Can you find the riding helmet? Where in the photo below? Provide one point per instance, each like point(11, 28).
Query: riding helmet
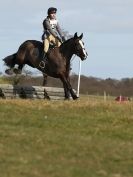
point(52, 10)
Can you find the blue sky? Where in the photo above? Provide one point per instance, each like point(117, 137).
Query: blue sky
point(107, 27)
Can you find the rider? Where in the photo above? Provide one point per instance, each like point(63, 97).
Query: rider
point(52, 31)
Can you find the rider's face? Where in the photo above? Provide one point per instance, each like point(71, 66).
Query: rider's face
point(52, 15)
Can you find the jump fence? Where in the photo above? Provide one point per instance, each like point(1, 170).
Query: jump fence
point(31, 92)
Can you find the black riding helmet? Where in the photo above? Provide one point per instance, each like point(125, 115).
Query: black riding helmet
point(52, 10)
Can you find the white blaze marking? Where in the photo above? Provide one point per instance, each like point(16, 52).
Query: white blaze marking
point(82, 45)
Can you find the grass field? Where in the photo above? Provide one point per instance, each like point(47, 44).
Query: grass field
point(66, 139)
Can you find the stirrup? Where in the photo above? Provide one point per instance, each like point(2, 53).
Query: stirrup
point(42, 64)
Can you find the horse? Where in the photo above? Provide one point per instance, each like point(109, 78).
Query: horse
point(57, 64)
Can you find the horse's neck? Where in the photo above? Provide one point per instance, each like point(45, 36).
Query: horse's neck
point(67, 50)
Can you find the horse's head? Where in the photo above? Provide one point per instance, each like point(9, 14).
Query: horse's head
point(79, 48)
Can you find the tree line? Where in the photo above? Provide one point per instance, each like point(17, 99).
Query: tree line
point(88, 85)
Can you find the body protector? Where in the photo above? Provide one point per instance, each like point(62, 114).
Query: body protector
point(51, 27)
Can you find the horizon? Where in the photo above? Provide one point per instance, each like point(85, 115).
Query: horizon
point(38, 74)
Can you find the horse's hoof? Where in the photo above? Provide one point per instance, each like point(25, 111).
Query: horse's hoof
point(75, 97)
point(9, 71)
point(67, 99)
point(17, 71)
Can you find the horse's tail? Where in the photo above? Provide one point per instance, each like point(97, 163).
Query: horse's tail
point(10, 60)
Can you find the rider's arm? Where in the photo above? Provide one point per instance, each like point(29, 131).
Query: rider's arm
point(60, 32)
point(48, 27)
point(58, 28)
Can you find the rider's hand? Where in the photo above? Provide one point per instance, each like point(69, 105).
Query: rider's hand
point(63, 39)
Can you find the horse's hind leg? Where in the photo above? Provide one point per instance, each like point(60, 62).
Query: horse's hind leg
point(18, 70)
point(10, 70)
point(10, 62)
point(67, 92)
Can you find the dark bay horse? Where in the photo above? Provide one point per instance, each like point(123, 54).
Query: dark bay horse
point(58, 60)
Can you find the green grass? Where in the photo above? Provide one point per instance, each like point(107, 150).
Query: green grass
point(66, 139)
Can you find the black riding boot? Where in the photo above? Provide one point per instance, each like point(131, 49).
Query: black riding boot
point(44, 56)
point(43, 61)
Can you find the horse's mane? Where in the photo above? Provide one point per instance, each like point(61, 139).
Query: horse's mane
point(62, 45)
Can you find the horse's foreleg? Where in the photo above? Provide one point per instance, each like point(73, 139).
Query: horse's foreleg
point(67, 86)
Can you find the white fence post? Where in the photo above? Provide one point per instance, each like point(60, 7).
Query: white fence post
point(79, 78)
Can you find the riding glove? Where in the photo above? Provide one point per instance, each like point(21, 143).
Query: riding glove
point(63, 39)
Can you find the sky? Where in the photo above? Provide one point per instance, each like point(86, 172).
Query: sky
point(107, 26)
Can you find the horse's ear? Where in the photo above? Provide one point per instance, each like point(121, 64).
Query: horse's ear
point(75, 35)
point(81, 36)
